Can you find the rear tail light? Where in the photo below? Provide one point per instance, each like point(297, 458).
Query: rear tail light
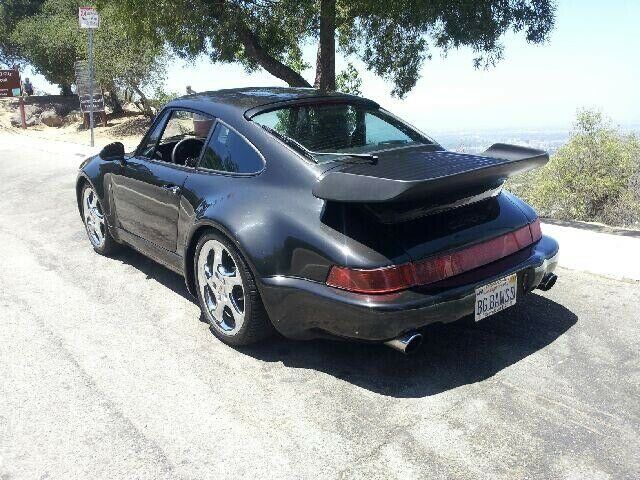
point(536, 231)
point(378, 280)
point(434, 269)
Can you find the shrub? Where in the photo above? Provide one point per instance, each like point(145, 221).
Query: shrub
point(594, 177)
point(161, 98)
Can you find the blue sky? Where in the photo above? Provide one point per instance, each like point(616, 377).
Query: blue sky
point(591, 60)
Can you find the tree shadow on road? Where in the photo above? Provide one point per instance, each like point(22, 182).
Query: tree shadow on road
point(451, 355)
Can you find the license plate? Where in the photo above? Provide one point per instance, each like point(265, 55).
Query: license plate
point(496, 296)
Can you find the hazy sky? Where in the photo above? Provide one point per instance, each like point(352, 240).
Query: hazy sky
point(591, 60)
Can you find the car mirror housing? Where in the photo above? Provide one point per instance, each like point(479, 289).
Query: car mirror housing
point(113, 151)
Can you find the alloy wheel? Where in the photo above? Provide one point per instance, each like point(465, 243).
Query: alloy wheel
point(93, 218)
point(221, 288)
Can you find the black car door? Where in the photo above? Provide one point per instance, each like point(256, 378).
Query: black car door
point(147, 192)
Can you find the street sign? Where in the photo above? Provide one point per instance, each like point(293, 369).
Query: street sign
point(85, 103)
point(89, 17)
point(84, 86)
point(9, 83)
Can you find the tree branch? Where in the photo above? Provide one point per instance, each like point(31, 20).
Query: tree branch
point(271, 64)
point(146, 106)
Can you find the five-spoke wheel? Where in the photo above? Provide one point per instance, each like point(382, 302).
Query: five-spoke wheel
point(95, 222)
point(227, 293)
point(93, 218)
point(221, 287)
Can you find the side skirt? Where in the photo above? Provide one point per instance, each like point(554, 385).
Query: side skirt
point(170, 260)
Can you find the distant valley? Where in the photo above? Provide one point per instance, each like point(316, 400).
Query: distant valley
point(475, 142)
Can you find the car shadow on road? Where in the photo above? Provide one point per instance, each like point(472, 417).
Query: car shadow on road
point(451, 355)
point(154, 271)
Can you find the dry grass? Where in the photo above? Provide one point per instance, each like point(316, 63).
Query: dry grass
point(128, 128)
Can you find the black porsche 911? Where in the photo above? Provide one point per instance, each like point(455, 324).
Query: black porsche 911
point(318, 215)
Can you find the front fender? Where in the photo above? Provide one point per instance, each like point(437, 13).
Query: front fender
point(81, 180)
point(95, 171)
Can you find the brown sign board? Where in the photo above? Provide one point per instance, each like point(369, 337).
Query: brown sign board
point(9, 83)
point(98, 103)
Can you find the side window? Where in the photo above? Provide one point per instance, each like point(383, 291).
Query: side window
point(229, 152)
point(183, 138)
point(150, 142)
point(180, 139)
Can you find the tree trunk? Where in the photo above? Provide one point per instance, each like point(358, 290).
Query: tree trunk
point(116, 104)
point(326, 59)
point(65, 89)
point(146, 106)
point(270, 64)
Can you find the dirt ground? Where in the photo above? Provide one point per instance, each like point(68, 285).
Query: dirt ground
point(127, 129)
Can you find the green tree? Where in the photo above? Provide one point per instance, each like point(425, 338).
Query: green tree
point(11, 12)
point(393, 39)
point(594, 177)
point(50, 40)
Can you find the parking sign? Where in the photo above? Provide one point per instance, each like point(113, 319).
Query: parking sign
point(88, 17)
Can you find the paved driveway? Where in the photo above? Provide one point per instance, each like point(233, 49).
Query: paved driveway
point(106, 371)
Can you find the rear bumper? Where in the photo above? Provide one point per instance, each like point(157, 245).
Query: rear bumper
point(304, 309)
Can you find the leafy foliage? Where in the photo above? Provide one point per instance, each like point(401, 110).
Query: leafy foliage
point(11, 11)
point(49, 40)
point(594, 177)
point(349, 81)
point(393, 39)
point(161, 97)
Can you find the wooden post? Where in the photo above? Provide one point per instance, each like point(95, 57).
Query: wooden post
point(23, 115)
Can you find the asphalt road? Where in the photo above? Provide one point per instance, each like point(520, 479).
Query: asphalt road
point(106, 371)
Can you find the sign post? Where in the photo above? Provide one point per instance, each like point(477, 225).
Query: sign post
point(89, 19)
point(23, 115)
point(10, 86)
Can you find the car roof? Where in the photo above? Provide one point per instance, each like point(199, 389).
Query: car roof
point(249, 101)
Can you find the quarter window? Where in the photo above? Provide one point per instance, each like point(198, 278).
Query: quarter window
point(227, 151)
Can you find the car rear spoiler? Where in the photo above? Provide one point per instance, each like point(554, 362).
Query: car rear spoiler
point(435, 177)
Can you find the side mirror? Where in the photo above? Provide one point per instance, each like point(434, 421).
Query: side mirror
point(113, 151)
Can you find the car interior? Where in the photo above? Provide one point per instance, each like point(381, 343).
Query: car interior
point(183, 138)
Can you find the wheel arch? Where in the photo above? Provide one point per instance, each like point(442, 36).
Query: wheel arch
point(196, 233)
point(81, 181)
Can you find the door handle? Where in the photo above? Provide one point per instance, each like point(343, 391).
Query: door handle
point(174, 189)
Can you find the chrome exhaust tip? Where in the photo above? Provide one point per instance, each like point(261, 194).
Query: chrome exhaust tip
point(548, 281)
point(408, 343)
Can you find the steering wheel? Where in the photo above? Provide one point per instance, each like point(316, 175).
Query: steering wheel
point(186, 150)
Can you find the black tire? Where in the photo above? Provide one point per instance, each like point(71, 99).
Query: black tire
point(108, 246)
point(256, 324)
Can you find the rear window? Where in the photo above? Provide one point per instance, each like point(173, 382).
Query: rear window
point(341, 128)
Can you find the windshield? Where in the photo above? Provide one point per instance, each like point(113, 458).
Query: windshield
point(341, 128)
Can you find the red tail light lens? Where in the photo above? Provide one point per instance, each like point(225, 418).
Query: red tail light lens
point(536, 231)
point(434, 269)
point(379, 280)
